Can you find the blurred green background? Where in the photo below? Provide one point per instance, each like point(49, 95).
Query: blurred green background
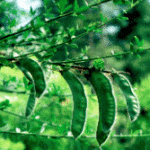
point(53, 113)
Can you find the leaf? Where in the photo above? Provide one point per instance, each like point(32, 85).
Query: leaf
point(4, 62)
point(39, 22)
point(62, 5)
point(4, 104)
point(102, 18)
point(36, 72)
point(98, 64)
point(13, 23)
point(31, 102)
point(32, 12)
point(76, 6)
point(132, 101)
point(131, 47)
point(123, 18)
point(137, 41)
point(67, 8)
point(75, 46)
point(82, 16)
point(2, 121)
point(82, 9)
point(80, 103)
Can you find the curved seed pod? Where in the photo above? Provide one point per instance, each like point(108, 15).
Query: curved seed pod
point(107, 104)
point(31, 102)
point(26, 73)
point(132, 101)
point(101, 136)
point(80, 102)
point(37, 74)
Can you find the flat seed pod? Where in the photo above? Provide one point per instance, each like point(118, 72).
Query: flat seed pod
point(107, 104)
point(37, 74)
point(26, 73)
point(133, 105)
point(101, 136)
point(31, 102)
point(80, 103)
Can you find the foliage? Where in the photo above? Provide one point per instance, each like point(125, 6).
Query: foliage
point(47, 44)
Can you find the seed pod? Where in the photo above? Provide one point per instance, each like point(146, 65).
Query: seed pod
point(107, 104)
point(26, 73)
point(80, 102)
point(37, 74)
point(31, 102)
point(133, 105)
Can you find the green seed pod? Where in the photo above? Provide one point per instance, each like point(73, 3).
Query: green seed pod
point(80, 103)
point(36, 72)
point(107, 104)
point(31, 102)
point(101, 136)
point(132, 101)
point(26, 73)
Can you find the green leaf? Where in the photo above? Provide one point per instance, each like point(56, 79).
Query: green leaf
point(62, 5)
point(98, 64)
point(32, 12)
point(4, 104)
point(102, 18)
point(131, 47)
point(137, 41)
point(123, 18)
point(13, 23)
point(2, 121)
point(82, 9)
point(76, 6)
point(4, 62)
point(75, 46)
point(39, 22)
point(32, 23)
point(25, 34)
point(67, 8)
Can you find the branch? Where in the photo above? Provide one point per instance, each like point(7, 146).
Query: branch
point(74, 38)
point(86, 60)
point(11, 91)
point(49, 21)
point(81, 68)
point(65, 136)
point(94, 58)
point(33, 119)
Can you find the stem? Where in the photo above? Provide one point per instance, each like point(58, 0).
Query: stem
point(63, 136)
point(11, 91)
point(42, 122)
point(70, 40)
point(85, 60)
point(49, 21)
point(81, 68)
